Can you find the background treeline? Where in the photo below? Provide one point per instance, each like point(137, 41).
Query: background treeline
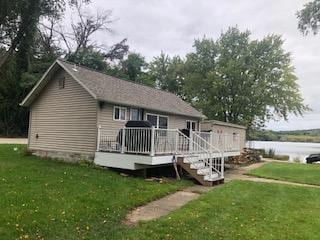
point(232, 78)
point(312, 135)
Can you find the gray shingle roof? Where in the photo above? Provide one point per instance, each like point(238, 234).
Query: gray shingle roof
point(114, 90)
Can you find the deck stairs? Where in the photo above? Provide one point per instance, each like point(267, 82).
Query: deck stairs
point(203, 162)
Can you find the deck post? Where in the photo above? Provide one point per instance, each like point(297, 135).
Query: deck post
point(191, 140)
point(211, 138)
point(98, 138)
point(123, 139)
point(152, 141)
point(177, 141)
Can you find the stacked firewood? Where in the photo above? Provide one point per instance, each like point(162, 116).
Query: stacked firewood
point(247, 156)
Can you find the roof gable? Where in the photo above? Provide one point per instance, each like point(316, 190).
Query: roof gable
point(106, 88)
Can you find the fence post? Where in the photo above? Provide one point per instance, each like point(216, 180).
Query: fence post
point(152, 141)
point(123, 139)
point(98, 138)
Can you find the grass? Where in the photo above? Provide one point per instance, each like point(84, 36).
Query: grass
point(48, 200)
point(292, 172)
point(43, 199)
point(241, 210)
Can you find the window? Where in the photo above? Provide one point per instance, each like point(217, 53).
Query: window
point(235, 136)
point(158, 121)
point(135, 114)
point(119, 113)
point(191, 125)
point(61, 82)
point(163, 122)
point(153, 119)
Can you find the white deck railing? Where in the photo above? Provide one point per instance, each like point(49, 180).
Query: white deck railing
point(206, 148)
point(226, 142)
point(152, 141)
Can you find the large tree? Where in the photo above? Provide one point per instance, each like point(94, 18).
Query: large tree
point(235, 79)
point(18, 31)
point(309, 18)
point(167, 72)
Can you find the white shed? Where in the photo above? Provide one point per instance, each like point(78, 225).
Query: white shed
point(225, 128)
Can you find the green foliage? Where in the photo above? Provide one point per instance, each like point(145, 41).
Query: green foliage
point(168, 73)
point(88, 57)
point(133, 66)
point(21, 63)
point(309, 18)
point(238, 80)
point(312, 135)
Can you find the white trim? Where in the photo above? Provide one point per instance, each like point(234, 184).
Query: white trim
point(120, 108)
point(139, 113)
point(192, 121)
point(57, 62)
point(37, 85)
point(158, 115)
point(77, 80)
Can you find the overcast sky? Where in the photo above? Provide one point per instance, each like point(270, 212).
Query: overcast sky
point(172, 26)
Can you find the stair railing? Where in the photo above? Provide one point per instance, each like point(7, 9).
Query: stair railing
point(203, 153)
point(216, 163)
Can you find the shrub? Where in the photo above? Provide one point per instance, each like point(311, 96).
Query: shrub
point(296, 160)
point(281, 157)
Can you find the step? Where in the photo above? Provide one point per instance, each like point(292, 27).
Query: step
point(191, 160)
point(198, 165)
point(214, 177)
point(203, 171)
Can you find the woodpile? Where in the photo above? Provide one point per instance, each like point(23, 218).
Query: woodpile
point(247, 156)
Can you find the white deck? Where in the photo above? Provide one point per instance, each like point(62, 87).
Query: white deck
point(138, 148)
point(136, 161)
point(130, 161)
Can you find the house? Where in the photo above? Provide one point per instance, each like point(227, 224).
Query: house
point(78, 113)
point(234, 132)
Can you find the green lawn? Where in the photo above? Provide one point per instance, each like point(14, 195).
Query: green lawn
point(241, 211)
point(43, 198)
point(50, 200)
point(293, 172)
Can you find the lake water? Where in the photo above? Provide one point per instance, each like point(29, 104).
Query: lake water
point(294, 149)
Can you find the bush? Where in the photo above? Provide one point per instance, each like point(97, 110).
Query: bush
point(281, 157)
point(271, 153)
point(296, 160)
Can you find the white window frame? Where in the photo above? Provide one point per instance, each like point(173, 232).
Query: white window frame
point(120, 108)
point(158, 119)
point(139, 113)
point(190, 122)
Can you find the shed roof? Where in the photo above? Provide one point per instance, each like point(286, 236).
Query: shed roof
point(106, 88)
point(216, 122)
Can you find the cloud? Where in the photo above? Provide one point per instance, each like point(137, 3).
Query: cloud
point(172, 26)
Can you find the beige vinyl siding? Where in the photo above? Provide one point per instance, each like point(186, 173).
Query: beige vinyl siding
point(64, 119)
point(174, 121)
point(111, 127)
point(107, 123)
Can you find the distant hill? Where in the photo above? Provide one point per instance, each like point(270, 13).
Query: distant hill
point(310, 135)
